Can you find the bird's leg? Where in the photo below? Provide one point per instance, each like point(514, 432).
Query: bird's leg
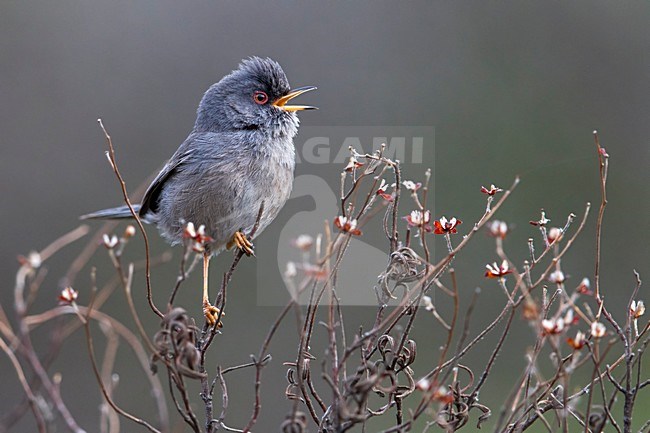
point(210, 312)
point(240, 240)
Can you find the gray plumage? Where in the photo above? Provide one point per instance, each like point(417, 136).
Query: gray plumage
point(239, 154)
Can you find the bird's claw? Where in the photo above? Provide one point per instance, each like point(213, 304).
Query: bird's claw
point(211, 313)
point(240, 240)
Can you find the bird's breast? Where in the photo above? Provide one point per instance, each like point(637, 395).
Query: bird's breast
point(274, 172)
point(263, 176)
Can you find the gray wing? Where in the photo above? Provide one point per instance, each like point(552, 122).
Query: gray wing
point(151, 198)
point(152, 195)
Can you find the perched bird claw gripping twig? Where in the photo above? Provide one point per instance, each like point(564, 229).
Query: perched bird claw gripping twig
point(240, 240)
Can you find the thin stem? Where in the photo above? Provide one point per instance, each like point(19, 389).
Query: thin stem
point(111, 158)
point(602, 169)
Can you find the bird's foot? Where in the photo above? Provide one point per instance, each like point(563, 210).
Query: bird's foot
point(240, 240)
point(211, 313)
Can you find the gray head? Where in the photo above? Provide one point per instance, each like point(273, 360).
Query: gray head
point(252, 97)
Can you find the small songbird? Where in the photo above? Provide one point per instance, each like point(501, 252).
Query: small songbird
point(238, 159)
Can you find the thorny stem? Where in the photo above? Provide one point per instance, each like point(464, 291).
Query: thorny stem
point(491, 326)
point(629, 391)
point(452, 326)
point(126, 281)
point(24, 340)
point(21, 307)
point(189, 418)
point(107, 397)
point(433, 273)
point(502, 284)
point(394, 239)
point(450, 247)
point(111, 158)
point(260, 361)
point(204, 342)
point(133, 341)
point(493, 357)
point(423, 209)
point(602, 169)
point(40, 422)
point(182, 273)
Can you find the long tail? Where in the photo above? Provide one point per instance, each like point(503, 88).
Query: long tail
point(121, 212)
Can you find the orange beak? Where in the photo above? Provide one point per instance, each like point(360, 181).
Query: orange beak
point(281, 102)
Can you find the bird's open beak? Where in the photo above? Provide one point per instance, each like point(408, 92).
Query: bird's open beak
point(281, 102)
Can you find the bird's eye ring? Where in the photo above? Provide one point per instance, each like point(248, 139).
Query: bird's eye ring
point(260, 97)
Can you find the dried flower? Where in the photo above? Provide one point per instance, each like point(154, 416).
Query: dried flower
point(637, 309)
point(347, 225)
point(198, 237)
point(553, 326)
point(110, 242)
point(554, 234)
point(530, 310)
point(598, 330)
point(542, 221)
point(603, 152)
point(493, 190)
point(428, 304)
point(291, 270)
point(33, 260)
point(303, 242)
point(497, 229)
point(418, 218)
point(578, 342)
point(412, 186)
point(316, 272)
point(129, 232)
point(381, 191)
point(68, 295)
point(569, 318)
point(584, 287)
point(443, 395)
point(353, 164)
point(557, 277)
point(444, 226)
point(176, 342)
point(496, 271)
point(423, 384)
point(189, 231)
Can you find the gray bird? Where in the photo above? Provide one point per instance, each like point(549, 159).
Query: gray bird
point(239, 155)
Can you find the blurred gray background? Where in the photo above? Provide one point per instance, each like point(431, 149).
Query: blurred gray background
point(510, 89)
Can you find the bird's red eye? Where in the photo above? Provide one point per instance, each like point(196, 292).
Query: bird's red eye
point(260, 97)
